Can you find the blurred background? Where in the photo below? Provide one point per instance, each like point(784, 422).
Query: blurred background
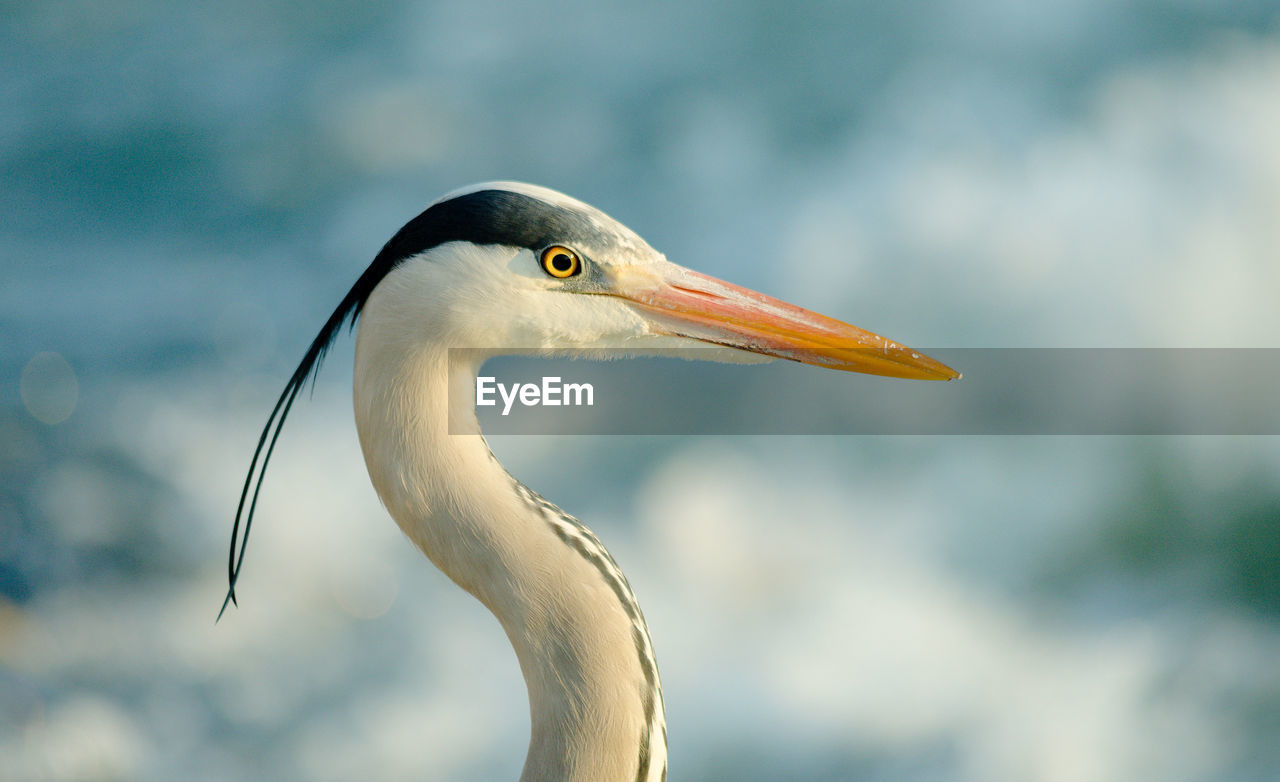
point(188, 189)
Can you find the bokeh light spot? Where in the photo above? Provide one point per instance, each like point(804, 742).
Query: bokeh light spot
point(49, 388)
point(368, 594)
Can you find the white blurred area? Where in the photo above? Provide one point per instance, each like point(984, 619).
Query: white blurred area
point(822, 608)
point(1149, 219)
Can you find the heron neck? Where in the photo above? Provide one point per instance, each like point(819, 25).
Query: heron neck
point(580, 638)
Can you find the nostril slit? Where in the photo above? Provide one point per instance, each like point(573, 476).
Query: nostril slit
point(696, 292)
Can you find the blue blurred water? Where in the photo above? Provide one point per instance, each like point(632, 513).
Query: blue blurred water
point(187, 189)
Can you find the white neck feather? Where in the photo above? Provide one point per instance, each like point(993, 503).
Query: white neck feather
point(595, 700)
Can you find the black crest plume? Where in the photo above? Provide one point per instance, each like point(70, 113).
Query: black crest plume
point(492, 216)
point(347, 311)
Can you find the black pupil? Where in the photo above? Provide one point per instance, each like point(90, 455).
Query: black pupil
point(561, 262)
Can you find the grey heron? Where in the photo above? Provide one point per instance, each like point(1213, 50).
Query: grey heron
point(505, 265)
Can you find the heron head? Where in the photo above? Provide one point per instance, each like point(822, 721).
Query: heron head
point(509, 266)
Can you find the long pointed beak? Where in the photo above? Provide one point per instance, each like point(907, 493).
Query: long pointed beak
point(685, 303)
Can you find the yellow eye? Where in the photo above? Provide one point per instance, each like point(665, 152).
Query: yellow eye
point(559, 261)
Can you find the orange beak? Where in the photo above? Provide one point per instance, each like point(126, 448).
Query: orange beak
point(688, 304)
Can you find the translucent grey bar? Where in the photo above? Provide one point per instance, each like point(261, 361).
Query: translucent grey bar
point(1004, 391)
